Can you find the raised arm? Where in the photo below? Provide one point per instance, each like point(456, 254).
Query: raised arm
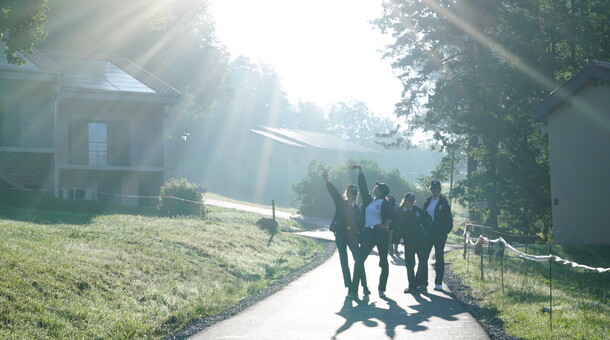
point(362, 186)
point(332, 190)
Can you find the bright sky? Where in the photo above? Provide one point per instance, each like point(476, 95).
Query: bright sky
point(325, 51)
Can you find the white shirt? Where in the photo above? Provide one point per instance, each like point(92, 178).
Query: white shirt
point(432, 206)
point(373, 213)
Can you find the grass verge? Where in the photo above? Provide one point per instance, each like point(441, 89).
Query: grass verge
point(116, 276)
point(515, 293)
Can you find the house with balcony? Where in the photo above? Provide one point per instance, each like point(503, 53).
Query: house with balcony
point(83, 126)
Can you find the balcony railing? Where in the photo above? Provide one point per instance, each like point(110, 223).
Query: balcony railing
point(27, 135)
point(113, 154)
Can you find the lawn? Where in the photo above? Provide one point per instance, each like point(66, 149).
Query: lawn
point(516, 293)
point(120, 276)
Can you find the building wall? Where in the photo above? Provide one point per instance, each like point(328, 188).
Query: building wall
point(27, 113)
point(259, 169)
point(145, 160)
point(579, 143)
point(144, 121)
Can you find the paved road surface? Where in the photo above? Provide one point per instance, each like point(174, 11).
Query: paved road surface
point(314, 307)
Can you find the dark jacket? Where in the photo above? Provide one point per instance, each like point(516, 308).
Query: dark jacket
point(412, 226)
point(443, 219)
point(340, 219)
point(387, 210)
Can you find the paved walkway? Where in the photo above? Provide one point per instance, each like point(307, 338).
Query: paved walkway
point(314, 307)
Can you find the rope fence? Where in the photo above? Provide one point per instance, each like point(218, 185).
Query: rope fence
point(501, 243)
point(538, 258)
point(46, 191)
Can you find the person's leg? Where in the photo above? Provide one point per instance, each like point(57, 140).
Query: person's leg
point(364, 251)
point(354, 247)
point(342, 250)
point(410, 264)
point(381, 238)
point(439, 254)
point(423, 254)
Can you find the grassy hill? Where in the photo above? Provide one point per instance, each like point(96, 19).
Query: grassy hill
point(118, 276)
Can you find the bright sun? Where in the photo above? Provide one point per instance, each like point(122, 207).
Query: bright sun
point(325, 51)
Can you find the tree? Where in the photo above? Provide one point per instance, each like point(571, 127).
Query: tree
point(473, 69)
point(355, 122)
point(21, 27)
point(308, 116)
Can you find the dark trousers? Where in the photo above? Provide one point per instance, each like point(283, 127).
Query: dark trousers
point(372, 237)
point(342, 245)
point(422, 250)
point(439, 255)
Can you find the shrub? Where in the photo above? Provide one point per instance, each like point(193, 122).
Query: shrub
point(179, 197)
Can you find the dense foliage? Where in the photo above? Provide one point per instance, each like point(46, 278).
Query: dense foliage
point(179, 197)
point(472, 71)
point(313, 198)
point(21, 26)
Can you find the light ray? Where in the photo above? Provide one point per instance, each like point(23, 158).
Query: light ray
point(492, 45)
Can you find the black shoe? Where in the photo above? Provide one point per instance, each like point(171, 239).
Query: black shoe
point(366, 291)
point(410, 290)
point(422, 289)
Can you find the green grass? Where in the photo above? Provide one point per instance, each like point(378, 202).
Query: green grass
point(580, 297)
point(74, 276)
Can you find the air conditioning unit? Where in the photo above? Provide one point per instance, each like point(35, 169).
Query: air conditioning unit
point(63, 193)
point(82, 194)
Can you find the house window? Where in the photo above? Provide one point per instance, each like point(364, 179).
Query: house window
point(98, 144)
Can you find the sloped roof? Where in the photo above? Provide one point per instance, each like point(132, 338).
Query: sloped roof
point(88, 71)
point(590, 75)
point(309, 139)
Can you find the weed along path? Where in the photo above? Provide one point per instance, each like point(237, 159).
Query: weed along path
point(315, 306)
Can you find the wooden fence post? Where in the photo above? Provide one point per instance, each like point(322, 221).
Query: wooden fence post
point(482, 279)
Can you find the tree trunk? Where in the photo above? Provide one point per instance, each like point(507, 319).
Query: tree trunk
point(471, 167)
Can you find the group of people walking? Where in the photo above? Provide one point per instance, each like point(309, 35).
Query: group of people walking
point(362, 228)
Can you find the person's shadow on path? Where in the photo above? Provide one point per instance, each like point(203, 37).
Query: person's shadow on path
point(395, 316)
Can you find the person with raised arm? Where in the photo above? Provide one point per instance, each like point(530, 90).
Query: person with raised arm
point(344, 226)
point(376, 209)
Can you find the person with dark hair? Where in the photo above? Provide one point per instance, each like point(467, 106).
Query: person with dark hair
point(412, 225)
point(345, 227)
point(373, 233)
point(442, 222)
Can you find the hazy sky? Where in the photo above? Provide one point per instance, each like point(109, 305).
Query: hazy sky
point(324, 50)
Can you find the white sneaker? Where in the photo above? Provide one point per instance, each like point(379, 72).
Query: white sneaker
point(438, 287)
